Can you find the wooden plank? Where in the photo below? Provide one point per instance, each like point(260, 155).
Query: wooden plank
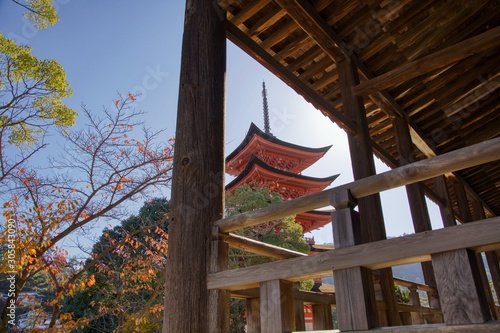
point(219, 261)
point(300, 321)
point(489, 327)
point(322, 317)
point(461, 291)
point(260, 248)
point(200, 115)
point(253, 315)
point(308, 297)
point(306, 16)
point(478, 236)
point(354, 291)
point(356, 307)
point(277, 306)
point(459, 159)
point(445, 57)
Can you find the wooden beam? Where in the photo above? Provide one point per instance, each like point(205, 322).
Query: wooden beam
point(260, 248)
point(441, 58)
point(490, 327)
point(478, 236)
point(480, 153)
point(304, 14)
point(200, 115)
point(308, 297)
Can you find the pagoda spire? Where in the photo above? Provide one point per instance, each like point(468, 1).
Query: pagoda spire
point(267, 128)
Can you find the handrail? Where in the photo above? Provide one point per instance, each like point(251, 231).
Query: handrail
point(463, 158)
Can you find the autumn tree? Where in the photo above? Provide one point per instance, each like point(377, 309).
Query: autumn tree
point(107, 163)
point(128, 265)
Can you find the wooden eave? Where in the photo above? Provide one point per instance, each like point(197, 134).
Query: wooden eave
point(256, 142)
point(435, 64)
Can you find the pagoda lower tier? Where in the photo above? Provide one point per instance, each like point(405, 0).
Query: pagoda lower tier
point(290, 185)
point(313, 220)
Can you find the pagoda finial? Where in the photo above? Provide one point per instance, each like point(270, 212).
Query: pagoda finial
point(267, 128)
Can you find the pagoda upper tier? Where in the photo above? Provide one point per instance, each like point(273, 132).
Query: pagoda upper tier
point(272, 151)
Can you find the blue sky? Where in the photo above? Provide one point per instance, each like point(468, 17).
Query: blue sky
point(135, 46)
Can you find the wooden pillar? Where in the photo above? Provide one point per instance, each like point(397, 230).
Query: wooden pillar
point(300, 321)
point(415, 193)
point(277, 313)
point(354, 292)
point(363, 165)
point(479, 214)
point(460, 287)
point(322, 317)
point(445, 208)
point(198, 176)
point(253, 315)
point(416, 317)
point(462, 202)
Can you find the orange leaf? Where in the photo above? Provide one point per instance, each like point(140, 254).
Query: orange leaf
point(113, 139)
point(130, 126)
point(117, 101)
point(132, 98)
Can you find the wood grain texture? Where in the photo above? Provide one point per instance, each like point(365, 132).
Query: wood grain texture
point(253, 315)
point(479, 236)
point(489, 327)
point(356, 307)
point(461, 291)
point(322, 317)
point(431, 62)
point(277, 308)
point(198, 174)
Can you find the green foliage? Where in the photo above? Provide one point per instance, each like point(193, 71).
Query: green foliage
point(283, 232)
point(31, 94)
point(41, 13)
point(402, 295)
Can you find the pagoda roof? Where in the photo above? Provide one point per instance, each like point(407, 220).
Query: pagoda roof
point(288, 184)
point(275, 152)
point(313, 219)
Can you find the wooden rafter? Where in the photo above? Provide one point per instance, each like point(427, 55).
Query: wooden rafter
point(436, 60)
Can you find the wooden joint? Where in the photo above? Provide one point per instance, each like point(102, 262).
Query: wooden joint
point(343, 199)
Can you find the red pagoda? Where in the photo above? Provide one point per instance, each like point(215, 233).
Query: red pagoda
point(262, 160)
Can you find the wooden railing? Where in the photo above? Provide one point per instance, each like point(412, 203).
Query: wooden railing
point(441, 245)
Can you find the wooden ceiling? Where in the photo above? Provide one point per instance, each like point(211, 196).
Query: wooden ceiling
point(434, 63)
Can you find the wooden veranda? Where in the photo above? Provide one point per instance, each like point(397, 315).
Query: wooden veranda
point(413, 82)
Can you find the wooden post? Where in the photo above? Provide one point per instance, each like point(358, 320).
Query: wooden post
point(415, 193)
point(462, 202)
point(363, 165)
point(322, 317)
point(446, 209)
point(416, 317)
point(300, 322)
point(277, 313)
point(198, 177)
point(479, 214)
point(354, 293)
point(253, 315)
point(460, 287)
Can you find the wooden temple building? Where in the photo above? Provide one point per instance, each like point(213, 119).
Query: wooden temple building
point(414, 82)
